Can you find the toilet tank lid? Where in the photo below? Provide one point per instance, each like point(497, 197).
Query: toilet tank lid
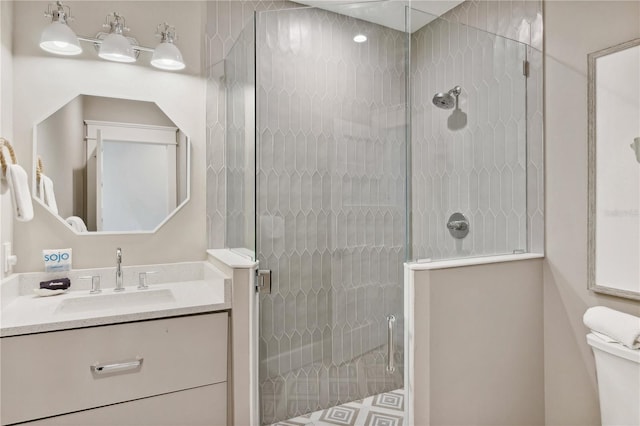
point(614, 348)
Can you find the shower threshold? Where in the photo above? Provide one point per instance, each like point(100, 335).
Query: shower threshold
point(383, 409)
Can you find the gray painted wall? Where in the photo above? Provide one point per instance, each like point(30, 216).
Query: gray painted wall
point(479, 345)
point(573, 29)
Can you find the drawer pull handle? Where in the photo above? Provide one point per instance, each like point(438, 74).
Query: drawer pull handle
point(117, 367)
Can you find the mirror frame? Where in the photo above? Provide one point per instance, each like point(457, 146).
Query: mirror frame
point(60, 219)
point(592, 173)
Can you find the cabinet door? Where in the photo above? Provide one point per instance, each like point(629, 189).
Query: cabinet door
point(51, 373)
point(204, 406)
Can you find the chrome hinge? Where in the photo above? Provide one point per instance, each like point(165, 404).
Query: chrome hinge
point(525, 68)
point(263, 281)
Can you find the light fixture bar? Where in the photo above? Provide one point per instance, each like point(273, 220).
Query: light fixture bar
point(98, 41)
point(59, 38)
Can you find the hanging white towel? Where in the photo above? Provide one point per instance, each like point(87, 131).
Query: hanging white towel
point(20, 195)
point(46, 193)
point(77, 223)
point(40, 190)
point(621, 327)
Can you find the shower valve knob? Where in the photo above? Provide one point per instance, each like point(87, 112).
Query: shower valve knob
point(458, 225)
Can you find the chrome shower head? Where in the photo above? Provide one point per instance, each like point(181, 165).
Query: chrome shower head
point(447, 100)
point(444, 100)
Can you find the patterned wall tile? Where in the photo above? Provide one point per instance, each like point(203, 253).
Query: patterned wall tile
point(519, 20)
point(332, 160)
point(226, 19)
point(492, 167)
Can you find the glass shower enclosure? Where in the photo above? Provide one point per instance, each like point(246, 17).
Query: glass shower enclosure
point(348, 150)
point(328, 170)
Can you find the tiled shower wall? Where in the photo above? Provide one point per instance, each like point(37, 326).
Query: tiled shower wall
point(331, 207)
point(225, 21)
point(239, 82)
point(519, 20)
point(471, 159)
point(515, 19)
point(491, 168)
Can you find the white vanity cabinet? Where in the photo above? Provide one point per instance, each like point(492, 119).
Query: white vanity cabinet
point(170, 371)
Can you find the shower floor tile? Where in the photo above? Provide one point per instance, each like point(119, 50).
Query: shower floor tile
point(385, 409)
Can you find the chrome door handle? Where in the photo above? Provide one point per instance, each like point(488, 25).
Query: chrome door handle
point(391, 322)
point(117, 367)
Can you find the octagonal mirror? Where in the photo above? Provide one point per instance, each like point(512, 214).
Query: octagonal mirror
point(111, 165)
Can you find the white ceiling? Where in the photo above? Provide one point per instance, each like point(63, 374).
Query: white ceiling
point(390, 13)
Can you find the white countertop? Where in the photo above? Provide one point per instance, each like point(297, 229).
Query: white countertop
point(25, 313)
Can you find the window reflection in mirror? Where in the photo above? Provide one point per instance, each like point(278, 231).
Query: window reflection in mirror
point(111, 165)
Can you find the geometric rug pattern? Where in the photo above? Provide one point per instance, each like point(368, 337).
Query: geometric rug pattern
point(385, 409)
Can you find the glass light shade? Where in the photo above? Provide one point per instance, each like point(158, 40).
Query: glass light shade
point(58, 38)
point(116, 47)
point(167, 56)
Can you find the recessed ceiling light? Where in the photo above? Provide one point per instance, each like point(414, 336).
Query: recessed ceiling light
point(360, 38)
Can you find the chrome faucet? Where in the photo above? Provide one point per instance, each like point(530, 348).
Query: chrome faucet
point(119, 286)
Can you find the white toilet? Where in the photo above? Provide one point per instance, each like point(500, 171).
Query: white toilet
point(618, 371)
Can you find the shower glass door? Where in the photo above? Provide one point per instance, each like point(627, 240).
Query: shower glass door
point(330, 208)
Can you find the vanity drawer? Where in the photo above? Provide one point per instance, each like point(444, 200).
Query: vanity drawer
point(204, 406)
point(50, 373)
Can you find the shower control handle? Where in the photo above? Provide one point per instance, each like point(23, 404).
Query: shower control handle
point(458, 225)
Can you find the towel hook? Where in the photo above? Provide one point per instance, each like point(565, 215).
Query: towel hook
point(5, 143)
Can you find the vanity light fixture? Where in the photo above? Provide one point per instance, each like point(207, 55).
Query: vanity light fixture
point(59, 38)
point(115, 46)
point(166, 55)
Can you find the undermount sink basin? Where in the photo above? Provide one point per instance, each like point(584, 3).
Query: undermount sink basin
point(109, 300)
point(179, 289)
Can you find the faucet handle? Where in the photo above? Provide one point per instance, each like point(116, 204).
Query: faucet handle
point(95, 283)
point(142, 279)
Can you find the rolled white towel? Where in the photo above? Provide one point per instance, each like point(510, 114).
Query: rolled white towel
point(49, 196)
point(77, 223)
point(621, 327)
point(40, 190)
point(20, 195)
